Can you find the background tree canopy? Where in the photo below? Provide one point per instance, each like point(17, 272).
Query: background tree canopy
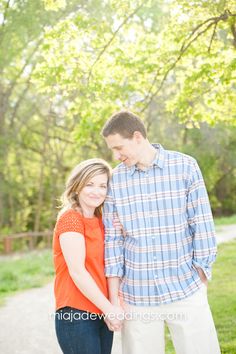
point(67, 65)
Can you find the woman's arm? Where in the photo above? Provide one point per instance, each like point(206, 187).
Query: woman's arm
point(74, 252)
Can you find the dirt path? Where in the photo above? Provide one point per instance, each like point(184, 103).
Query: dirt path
point(27, 324)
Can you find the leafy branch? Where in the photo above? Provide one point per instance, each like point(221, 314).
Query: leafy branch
point(113, 37)
point(4, 19)
point(194, 35)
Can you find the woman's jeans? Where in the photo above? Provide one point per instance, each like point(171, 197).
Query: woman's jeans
point(80, 332)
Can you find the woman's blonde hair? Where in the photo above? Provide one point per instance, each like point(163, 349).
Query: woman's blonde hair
point(77, 180)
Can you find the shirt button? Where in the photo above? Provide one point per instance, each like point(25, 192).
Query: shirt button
point(154, 258)
point(153, 238)
point(156, 276)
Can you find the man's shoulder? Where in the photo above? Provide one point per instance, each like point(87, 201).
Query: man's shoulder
point(179, 157)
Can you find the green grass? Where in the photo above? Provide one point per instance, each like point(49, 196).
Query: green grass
point(20, 272)
point(222, 296)
point(225, 220)
point(222, 299)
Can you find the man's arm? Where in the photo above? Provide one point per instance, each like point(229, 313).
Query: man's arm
point(201, 224)
point(113, 287)
point(114, 254)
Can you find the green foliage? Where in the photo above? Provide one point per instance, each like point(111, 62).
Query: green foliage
point(54, 5)
point(215, 151)
point(64, 73)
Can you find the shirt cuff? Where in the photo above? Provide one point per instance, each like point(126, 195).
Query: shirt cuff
point(114, 272)
point(205, 267)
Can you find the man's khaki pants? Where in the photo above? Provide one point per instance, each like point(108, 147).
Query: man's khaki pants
point(190, 323)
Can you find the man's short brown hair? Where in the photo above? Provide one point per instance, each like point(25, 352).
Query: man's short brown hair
point(124, 123)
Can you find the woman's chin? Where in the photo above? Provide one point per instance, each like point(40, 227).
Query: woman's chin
point(95, 205)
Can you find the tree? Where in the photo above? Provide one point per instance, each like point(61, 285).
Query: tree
point(63, 74)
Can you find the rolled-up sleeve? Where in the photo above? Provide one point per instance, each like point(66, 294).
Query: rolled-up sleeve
point(114, 251)
point(200, 222)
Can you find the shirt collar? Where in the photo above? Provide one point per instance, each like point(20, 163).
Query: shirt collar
point(158, 161)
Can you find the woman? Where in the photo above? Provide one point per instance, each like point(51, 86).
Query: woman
point(80, 284)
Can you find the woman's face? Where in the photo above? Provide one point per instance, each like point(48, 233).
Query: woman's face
point(94, 192)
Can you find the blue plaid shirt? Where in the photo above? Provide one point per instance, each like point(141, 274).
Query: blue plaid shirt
point(169, 229)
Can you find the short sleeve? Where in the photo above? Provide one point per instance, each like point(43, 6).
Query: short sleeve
point(70, 222)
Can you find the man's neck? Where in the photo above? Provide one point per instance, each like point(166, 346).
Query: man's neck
point(149, 154)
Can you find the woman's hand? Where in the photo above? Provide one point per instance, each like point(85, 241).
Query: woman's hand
point(114, 318)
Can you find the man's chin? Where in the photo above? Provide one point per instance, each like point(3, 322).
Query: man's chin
point(128, 163)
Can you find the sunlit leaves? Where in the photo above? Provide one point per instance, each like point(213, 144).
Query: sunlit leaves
point(68, 65)
point(54, 5)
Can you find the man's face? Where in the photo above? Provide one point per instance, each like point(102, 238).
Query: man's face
point(124, 150)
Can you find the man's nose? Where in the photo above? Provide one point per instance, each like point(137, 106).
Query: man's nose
point(117, 155)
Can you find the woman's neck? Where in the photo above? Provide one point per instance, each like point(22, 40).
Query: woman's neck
point(86, 212)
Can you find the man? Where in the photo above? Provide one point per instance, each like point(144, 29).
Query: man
point(160, 265)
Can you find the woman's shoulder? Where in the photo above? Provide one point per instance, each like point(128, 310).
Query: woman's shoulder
point(69, 217)
point(69, 213)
